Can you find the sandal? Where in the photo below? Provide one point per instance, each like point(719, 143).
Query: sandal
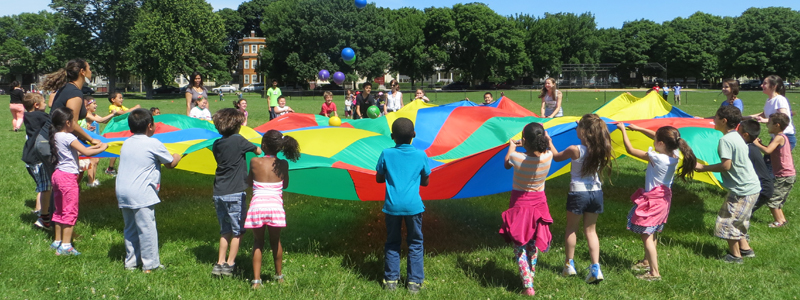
point(256, 284)
point(648, 277)
point(776, 224)
point(639, 266)
point(278, 278)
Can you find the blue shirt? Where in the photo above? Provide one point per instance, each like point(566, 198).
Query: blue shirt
point(677, 90)
point(737, 103)
point(403, 167)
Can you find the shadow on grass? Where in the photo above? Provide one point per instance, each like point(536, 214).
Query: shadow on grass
point(490, 274)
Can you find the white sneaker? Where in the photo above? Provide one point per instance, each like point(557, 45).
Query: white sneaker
point(595, 275)
point(569, 270)
point(93, 184)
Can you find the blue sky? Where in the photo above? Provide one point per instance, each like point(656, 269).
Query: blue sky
point(609, 13)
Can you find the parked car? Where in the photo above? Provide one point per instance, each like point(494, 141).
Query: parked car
point(255, 87)
point(225, 88)
point(458, 85)
point(751, 85)
point(167, 89)
point(327, 87)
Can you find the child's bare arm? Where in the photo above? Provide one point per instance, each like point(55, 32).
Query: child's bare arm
point(649, 133)
point(257, 151)
point(723, 166)
point(285, 172)
point(512, 148)
point(380, 178)
point(629, 147)
point(776, 141)
point(176, 157)
point(425, 180)
point(88, 151)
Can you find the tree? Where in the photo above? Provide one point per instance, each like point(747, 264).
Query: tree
point(440, 36)
point(234, 30)
point(763, 41)
point(691, 47)
point(306, 36)
point(166, 42)
point(632, 47)
point(410, 56)
point(252, 13)
point(98, 30)
point(26, 43)
point(558, 39)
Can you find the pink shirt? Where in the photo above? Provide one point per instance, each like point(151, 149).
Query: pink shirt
point(781, 158)
point(329, 108)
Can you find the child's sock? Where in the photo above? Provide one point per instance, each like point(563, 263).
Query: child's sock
point(66, 246)
point(55, 244)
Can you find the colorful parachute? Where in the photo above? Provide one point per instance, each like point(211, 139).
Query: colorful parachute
point(465, 142)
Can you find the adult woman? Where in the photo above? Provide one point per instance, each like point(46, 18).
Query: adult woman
point(194, 91)
point(551, 100)
point(730, 88)
point(17, 110)
point(773, 87)
point(394, 100)
point(68, 83)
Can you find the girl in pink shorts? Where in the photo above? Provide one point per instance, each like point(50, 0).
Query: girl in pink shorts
point(270, 175)
point(65, 148)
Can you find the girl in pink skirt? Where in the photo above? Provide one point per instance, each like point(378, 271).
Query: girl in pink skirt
point(270, 175)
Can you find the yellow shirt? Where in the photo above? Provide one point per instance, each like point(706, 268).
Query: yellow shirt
point(113, 108)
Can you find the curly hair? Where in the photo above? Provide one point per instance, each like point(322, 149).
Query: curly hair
point(535, 138)
point(274, 141)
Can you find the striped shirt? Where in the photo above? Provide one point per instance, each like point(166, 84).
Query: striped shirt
point(531, 171)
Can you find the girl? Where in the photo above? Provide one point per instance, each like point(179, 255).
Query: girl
point(527, 221)
point(201, 110)
point(730, 88)
point(269, 175)
point(774, 89)
point(591, 158)
point(241, 105)
point(551, 100)
point(91, 124)
point(394, 100)
point(420, 95)
point(65, 148)
point(651, 204)
point(17, 110)
point(348, 103)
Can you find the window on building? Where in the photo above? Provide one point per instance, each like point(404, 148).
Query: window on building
point(261, 47)
point(246, 79)
point(254, 63)
point(247, 64)
point(255, 78)
point(246, 49)
point(255, 48)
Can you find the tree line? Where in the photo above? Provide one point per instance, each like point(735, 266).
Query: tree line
point(157, 39)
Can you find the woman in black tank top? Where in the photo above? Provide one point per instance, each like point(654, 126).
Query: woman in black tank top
point(68, 83)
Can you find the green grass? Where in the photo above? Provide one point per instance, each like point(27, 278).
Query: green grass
point(334, 247)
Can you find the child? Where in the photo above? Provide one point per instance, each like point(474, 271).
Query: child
point(404, 169)
point(138, 183)
point(116, 107)
point(364, 100)
point(651, 204)
point(269, 175)
point(738, 176)
point(677, 94)
point(551, 100)
point(230, 183)
point(241, 105)
point(90, 164)
point(782, 166)
point(487, 98)
point(201, 110)
point(591, 158)
point(749, 130)
point(381, 103)
point(420, 95)
point(40, 168)
point(328, 107)
point(282, 109)
point(348, 103)
point(155, 111)
point(527, 220)
point(65, 147)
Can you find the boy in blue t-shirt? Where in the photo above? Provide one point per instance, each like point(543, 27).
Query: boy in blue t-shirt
point(404, 169)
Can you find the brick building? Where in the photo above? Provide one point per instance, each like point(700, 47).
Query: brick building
point(249, 48)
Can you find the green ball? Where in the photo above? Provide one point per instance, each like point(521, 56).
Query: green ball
point(373, 112)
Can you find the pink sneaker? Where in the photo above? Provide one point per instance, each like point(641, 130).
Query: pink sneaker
point(529, 292)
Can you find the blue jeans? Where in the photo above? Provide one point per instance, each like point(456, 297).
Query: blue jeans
point(229, 213)
point(792, 140)
point(415, 264)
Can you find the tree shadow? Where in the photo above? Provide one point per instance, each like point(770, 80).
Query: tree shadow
point(489, 273)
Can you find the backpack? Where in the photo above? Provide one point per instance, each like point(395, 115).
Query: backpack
point(37, 148)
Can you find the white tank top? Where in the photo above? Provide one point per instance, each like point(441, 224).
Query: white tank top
point(578, 183)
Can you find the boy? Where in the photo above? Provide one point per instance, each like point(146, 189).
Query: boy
point(328, 107)
point(738, 176)
point(40, 168)
point(230, 182)
point(404, 169)
point(364, 101)
point(487, 98)
point(155, 111)
point(282, 109)
point(115, 98)
point(749, 130)
point(782, 166)
point(272, 98)
point(138, 183)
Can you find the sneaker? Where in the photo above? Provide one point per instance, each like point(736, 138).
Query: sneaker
point(732, 259)
point(413, 287)
point(529, 292)
point(95, 183)
point(639, 266)
point(595, 275)
point(55, 245)
point(134, 268)
point(69, 251)
point(390, 285)
point(569, 270)
point(216, 270)
point(42, 224)
point(111, 172)
point(748, 253)
point(156, 269)
point(227, 270)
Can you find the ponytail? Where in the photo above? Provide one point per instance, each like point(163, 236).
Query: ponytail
point(274, 141)
point(777, 82)
point(290, 148)
point(686, 169)
point(71, 72)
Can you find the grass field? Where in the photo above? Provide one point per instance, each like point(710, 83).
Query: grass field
point(334, 247)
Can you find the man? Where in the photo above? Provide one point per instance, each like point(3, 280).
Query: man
point(272, 98)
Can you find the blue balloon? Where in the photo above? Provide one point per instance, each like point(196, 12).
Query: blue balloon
point(361, 3)
point(324, 75)
point(348, 53)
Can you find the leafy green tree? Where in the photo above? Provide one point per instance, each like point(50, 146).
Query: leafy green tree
point(763, 41)
point(234, 30)
point(632, 47)
point(26, 43)
point(252, 13)
point(562, 38)
point(98, 30)
point(691, 47)
point(440, 36)
point(410, 56)
point(306, 36)
point(166, 41)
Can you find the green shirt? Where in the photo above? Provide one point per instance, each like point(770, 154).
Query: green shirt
point(273, 94)
point(741, 179)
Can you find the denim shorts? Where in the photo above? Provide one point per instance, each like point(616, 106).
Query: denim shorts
point(587, 201)
point(229, 213)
